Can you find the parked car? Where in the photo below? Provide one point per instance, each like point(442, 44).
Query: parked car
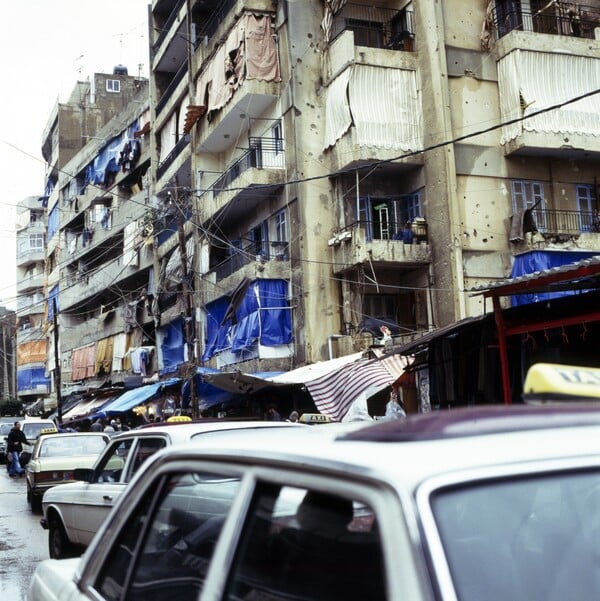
point(5, 428)
point(73, 512)
point(487, 503)
point(32, 427)
point(55, 456)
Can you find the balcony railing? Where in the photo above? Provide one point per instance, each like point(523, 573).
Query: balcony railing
point(164, 99)
point(556, 18)
point(167, 26)
point(164, 165)
point(263, 153)
point(210, 25)
point(389, 230)
point(550, 221)
point(376, 27)
point(254, 251)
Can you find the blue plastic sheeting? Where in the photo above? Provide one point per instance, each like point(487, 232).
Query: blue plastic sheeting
point(134, 397)
point(32, 378)
point(208, 395)
point(53, 221)
point(52, 300)
point(261, 313)
point(540, 260)
point(172, 346)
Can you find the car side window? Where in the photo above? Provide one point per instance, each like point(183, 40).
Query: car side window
point(111, 467)
point(146, 448)
point(168, 544)
point(306, 544)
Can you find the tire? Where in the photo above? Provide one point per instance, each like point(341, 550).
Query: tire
point(59, 545)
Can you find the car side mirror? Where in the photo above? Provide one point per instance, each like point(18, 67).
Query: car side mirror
point(84, 474)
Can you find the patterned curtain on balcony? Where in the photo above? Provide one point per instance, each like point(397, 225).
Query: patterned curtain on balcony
point(532, 81)
point(383, 105)
point(332, 7)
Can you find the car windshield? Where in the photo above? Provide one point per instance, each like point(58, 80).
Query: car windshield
point(71, 445)
point(534, 538)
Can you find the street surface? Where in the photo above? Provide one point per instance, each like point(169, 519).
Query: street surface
point(23, 542)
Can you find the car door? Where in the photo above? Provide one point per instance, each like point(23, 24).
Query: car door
point(114, 470)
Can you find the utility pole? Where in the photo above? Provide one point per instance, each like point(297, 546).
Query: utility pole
point(57, 382)
point(189, 318)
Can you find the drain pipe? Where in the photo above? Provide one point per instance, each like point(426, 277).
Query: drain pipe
point(330, 340)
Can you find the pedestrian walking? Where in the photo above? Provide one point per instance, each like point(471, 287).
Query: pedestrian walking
point(14, 447)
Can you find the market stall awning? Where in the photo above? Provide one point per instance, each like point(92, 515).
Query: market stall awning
point(334, 385)
point(136, 396)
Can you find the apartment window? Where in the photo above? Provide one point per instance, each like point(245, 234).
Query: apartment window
point(277, 135)
point(260, 240)
point(36, 216)
point(36, 242)
point(530, 195)
point(586, 205)
point(113, 85)
point(384, 217)
point(280, 226)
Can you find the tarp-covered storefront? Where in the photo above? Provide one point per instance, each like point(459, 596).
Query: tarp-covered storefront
point(256, 311)
point(138, 396)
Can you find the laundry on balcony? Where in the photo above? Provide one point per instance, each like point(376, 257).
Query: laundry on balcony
point(522, 222)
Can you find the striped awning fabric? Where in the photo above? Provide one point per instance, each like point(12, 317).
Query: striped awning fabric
point(334, 393)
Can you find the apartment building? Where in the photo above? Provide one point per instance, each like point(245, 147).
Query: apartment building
point(336, 166)
point(33, 383)
point(308, 172)
point(99, 258)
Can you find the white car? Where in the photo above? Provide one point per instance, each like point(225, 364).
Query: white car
point(73, 512)
point(32, 427)
point(489, 503)
point(54, 458)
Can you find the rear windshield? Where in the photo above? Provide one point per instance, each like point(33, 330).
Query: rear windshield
point(535, 538)
point(32, 430)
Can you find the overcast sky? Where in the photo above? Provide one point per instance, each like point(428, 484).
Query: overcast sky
point(47, 46)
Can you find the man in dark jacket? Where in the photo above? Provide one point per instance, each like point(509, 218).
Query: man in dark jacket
point(14, 447)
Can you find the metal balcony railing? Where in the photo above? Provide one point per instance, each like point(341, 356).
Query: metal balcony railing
point(555, 18)
point(167, 26)
point(550, 221)
point(263, 153)
point(389, 230)
point(164, 99)
point(376, 27)
point(254, 251)
point(208, 28)
point(164, 165)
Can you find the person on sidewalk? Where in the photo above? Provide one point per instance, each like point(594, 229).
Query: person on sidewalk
point(14, 446)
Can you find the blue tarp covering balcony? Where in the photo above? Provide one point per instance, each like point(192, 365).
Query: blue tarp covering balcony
point(32, 378)
point(542, 260)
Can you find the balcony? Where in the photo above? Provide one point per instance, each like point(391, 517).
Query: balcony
point(182, 143)
point(376, 27)
point(572, 223)
point(537, 86)
point(256, 254)
point(554, 18)
point(169, 91)
point(263, 153)
point(376, 244)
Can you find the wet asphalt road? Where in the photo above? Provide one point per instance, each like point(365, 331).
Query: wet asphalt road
point(23, 542)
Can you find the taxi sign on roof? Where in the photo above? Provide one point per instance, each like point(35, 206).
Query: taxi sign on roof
point(547, 382)
point(314, 418)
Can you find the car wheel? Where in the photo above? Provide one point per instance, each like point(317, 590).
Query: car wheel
point(59, 545)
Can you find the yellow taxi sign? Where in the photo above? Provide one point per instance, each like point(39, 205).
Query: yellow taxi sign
point(547, 382)
point(314, 418)
point(48, 431)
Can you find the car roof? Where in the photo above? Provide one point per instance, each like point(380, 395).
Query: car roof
point(183, 431)
point(408, 461)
